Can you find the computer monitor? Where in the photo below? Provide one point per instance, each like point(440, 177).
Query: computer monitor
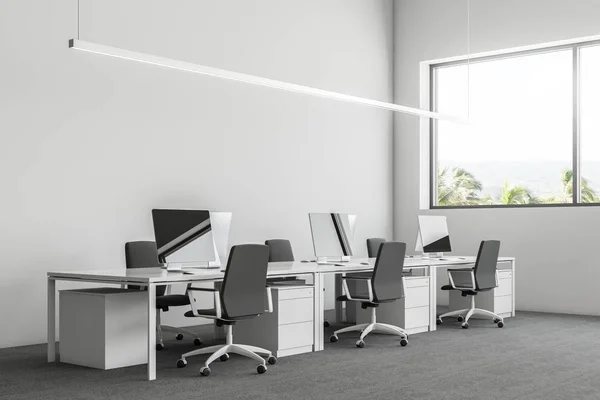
point(332, 234)
point(191, 238)
point(432, 235)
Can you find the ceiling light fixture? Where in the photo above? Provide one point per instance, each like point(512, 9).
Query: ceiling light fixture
point(89, 47)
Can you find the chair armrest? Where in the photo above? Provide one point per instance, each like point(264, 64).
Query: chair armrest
point(347, 291)
point(269, 300)
point(217, 295)
point(462, 279)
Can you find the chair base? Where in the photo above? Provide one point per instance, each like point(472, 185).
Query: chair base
point(222, 352)
point(467, 313)
point(374, 326)
point(179, 333)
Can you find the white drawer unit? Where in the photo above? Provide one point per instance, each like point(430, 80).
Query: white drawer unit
point(103, 328)
point(498, 300)
point(288, 330)
point(410, 313)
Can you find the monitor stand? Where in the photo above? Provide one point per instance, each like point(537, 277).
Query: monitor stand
point(178, 267)
point(332, 260)
point(173, 267)
point(427, 256)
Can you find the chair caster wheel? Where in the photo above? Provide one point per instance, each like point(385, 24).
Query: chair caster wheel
point(360, 344)
point(197, 342)
point(261, 369)
point(179, 336)
point(224, 357)
point(333, 338)
point(403, 342)
point(326, 324)
point(181, 363)
point(159, 346)
point(465, 325)
point(272, 360)
point(205, 371)
point(460, 318)
point(500, 324)
point(438, 321)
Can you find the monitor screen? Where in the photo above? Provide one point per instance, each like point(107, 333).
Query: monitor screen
point(332, 234)
point(184, 236)
point(433, 236)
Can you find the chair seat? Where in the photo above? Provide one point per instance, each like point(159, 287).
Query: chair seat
point(172, 300)
point(208, 312)
point(468, 292)
point(212, 313)
point(357, 298)
point(364, 301)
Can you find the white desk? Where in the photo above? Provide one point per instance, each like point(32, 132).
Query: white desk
point(151, 277)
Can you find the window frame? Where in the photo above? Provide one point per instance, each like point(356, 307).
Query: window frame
point(432, 67)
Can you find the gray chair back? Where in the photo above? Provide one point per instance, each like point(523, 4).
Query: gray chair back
point(143, 254)
point(280, 250)
point(373, 246)
point(243, 290)
point(387, 275)
point(485, 266)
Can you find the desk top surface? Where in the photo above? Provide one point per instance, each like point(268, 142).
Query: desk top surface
point(159, 275)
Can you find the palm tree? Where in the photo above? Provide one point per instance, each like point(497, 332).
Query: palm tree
point(516, 195)
point(588, 195)
point(457, 187)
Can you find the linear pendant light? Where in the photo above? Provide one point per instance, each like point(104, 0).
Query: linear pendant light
point(251, 79)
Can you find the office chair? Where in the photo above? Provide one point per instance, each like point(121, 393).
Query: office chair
point(385, 285)
point(373, 246)
point(470, 281)
point(144, 255)
point(242, 296)
point(280, 250)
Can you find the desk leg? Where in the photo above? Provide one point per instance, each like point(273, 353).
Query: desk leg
point(151, 332)
point(319, 317)
point(513, 288)
point(51, 320)
point(339, 310)
point(432, 298)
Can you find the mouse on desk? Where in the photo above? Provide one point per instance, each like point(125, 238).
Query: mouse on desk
point(364, 263)
point(307, 261)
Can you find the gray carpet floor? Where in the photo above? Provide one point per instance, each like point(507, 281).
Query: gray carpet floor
point(535, 356)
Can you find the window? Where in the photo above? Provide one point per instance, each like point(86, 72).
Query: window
point(522, 146)
point(590, 124)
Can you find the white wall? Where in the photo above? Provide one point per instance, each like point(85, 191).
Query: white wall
point(556, 267)
point(91, 144)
